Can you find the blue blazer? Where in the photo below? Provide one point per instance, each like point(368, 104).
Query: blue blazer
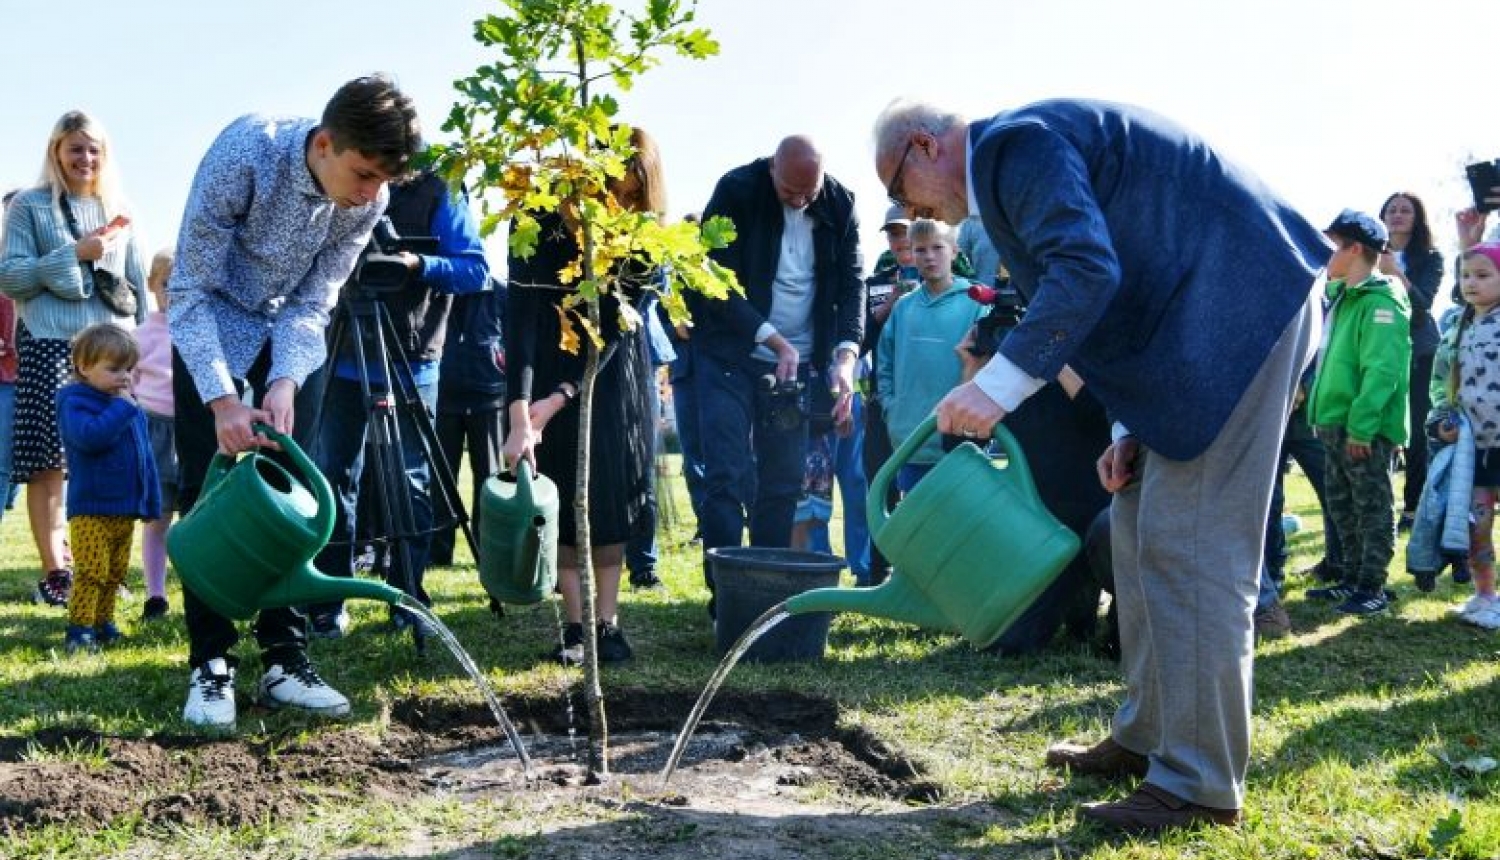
point(1160, 271)
point(111, 470)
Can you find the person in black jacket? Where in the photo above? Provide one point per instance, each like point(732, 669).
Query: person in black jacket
point(792, 337)
point(471, 398)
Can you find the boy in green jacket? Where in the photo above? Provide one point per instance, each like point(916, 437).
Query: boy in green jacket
point(1358, 408)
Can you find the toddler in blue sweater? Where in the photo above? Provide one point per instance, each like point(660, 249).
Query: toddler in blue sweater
point(111, 477)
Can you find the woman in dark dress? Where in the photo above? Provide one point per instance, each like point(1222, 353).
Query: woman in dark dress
point(543, 380)
point(1414, 262)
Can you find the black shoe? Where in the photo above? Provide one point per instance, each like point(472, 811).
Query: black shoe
point(645, 580)
point(613, 647)
point(1426, 581)
point(1340, 593)
point(404, 619)
point(1461, 574)
point(329, 625)
point(155, 609)
point(570, 652)
point(1365, 603)
point(1405, 522)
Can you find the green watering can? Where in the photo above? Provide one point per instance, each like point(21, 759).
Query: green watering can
point(248, 543)
point(971, 546)
point(518, 536)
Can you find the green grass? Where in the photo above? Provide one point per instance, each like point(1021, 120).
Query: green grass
point(1354, 720)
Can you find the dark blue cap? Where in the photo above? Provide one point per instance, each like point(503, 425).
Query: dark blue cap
point(1361, 228)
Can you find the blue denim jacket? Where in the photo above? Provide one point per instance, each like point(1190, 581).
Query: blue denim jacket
point(1440, 529)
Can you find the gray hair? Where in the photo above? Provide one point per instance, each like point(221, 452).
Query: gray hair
point(904, 117)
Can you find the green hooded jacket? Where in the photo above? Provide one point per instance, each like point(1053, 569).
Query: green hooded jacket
point(1365, 368)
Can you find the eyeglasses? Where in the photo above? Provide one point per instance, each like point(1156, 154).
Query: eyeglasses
point(893, 191)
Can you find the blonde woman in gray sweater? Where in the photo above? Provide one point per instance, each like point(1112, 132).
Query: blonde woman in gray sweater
point(72, 222)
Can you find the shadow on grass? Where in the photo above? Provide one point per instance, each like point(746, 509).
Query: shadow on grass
point(1388, 668)
point(669, 832)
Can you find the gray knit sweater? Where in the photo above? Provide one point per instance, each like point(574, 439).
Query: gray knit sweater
point(41, 272)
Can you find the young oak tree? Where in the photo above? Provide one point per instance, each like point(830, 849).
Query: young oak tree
point(539, 126)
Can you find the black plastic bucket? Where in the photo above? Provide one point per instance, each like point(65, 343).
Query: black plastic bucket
point(748, 580)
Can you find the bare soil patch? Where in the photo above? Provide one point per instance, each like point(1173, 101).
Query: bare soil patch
point(771, 775)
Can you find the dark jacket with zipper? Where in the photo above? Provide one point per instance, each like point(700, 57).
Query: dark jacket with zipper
point(727, 328)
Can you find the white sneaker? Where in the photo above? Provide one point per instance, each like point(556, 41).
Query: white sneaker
point(210, 701)
point(297, 685)
point(1487, 619)
point(1475, 604)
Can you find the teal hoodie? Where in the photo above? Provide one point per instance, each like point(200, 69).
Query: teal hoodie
point(915, 362)
point(1365, 367)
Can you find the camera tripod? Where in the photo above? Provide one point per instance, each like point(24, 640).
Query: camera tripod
point(361, 325)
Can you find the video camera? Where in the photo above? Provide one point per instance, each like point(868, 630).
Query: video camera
point(783, 402)
point(1007, 307)
point(380, 268)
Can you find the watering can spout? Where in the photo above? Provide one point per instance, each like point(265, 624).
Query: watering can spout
point(895, 600)
point(309, 587)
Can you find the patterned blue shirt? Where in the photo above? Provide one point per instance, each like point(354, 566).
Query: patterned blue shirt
point(261, 255)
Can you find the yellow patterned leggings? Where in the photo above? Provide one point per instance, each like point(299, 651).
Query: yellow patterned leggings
point(101, 557)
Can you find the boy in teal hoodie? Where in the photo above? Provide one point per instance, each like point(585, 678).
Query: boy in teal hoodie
point(1358, 408)
point(916, 361)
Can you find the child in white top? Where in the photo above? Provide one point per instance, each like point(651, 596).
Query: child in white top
point(1472, 387)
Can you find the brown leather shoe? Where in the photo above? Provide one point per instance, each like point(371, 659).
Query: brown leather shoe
point(1151, 810)
point(1105, 758)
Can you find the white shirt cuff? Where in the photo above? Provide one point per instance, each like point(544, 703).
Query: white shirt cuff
point(765, 331)
point(1005, 383)
point(1118, 431)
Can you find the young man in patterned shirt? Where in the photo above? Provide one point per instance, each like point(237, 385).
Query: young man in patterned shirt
point(278, 214)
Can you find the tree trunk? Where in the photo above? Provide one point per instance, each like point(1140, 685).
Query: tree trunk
point(593, 692)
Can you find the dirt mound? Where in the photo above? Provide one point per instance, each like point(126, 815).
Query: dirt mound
point(779, 739)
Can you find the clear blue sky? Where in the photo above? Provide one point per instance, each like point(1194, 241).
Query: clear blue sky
point(1335, 102)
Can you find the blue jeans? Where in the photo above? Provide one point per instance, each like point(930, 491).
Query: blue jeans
point(735, 412)
point(849, 471)
point(339, 452)
point(7, 446)
point(685, 411)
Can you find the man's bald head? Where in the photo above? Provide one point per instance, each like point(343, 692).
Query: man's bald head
point(797, 171)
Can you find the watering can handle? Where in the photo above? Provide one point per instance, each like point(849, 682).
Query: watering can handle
point(311, 476)
point(875, 500)
point(523, 480)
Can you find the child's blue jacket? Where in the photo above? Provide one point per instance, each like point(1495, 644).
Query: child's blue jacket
point(111, 470)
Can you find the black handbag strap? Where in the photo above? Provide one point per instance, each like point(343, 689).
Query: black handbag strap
point(72, 221)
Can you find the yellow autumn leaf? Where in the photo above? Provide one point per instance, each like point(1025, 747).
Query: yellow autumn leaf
point(569, 342)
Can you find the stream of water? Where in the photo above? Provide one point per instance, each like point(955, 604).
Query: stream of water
point(772, 617)
point(437, 626)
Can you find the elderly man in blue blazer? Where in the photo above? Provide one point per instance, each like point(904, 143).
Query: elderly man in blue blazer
point(1181, 289)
